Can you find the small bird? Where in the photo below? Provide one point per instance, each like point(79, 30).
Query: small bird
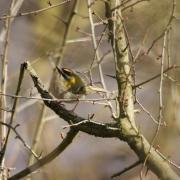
point(67, 84)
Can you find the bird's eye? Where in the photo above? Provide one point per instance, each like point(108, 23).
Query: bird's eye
point(67, 71)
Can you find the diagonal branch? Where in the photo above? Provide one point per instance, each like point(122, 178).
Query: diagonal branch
point(126, 169)
point(59, 58)
point(90, 127)
point(165, 29)
point(139, 85)
point(48, 158)
point(127, 132)
point(154, 77)
point(20, 138)
point(36, 12)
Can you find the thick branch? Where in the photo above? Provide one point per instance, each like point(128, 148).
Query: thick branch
point(126, 119)
point(127, 132)
point(90, 127)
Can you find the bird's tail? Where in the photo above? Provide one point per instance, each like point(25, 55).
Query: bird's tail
point(94, 89)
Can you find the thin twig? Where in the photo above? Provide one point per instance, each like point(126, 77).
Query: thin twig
point(154, 42)
point(126, 169)
point(171, 17)
point(104, 55)
point(4, 78)
point(21, 75)
point(59, 100)
point(85, 39)
point(172, 79)
point(160, 118)
point(156, 76)
point(36, 12)
point(76, 124)
point(133, 4)
point(14, 10)
point(97, 54)
point(96, 49)
point(168, 49)
point(20, 138)
point(168, 160)
point(148, 113)
point(128, 6)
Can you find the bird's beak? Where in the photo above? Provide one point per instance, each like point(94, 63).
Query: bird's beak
point(61, 72)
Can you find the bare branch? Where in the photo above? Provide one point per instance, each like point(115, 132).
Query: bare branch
point(151, 78)
point(168, 160)
point(48, 158)
point(149, 114)
point(160, 118)
point(97, 54)
point(20, 138)
point(156, 76)
point(164, 48)
point(133, 4)
point(57, 100)
point(36, 12)
point(126, 120)
point(21, 75)
point(165, 29)
point(58, 60)
point(14, 10)
point(126, 169)
point(4, 78)
point(91, 127)
point(126, 132)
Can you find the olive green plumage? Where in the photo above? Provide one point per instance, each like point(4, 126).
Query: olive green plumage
point(67, 84)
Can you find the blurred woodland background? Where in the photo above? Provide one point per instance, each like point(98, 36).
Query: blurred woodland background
point(33, 37)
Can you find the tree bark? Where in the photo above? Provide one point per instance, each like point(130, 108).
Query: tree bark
point(126, 119)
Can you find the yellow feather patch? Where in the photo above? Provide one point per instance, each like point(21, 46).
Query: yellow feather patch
point(70, 82)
